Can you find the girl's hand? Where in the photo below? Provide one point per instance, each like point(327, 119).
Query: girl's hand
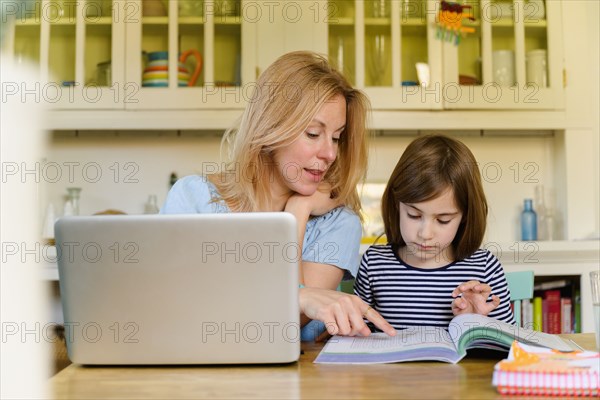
point(474, 299)
point(341, 313)
point(319, 203)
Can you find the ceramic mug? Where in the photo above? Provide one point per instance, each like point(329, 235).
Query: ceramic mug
point(197, 68)
point(156, 72)
point(503, 65)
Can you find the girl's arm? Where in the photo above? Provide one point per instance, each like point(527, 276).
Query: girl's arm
point(476, 294)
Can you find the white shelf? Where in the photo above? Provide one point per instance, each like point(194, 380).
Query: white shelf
point(547, 252)
point(382, 120)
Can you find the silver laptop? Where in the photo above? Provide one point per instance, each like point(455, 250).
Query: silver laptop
point(180, 289)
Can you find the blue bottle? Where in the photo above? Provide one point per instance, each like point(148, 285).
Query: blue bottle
point(528, 222)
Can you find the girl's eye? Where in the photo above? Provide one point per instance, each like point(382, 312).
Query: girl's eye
point(312, 134)
point(411, 216)
point(336, 140)
point(443, 222)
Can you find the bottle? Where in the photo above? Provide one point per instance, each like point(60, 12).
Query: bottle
point(172, 179)
point(151, 206)
point(528, 222)
point(539, 202)
point(73, 199)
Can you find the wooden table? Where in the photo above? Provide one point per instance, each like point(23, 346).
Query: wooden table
point(471, 378)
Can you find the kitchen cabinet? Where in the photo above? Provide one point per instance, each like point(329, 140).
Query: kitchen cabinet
point(219, 33)
point(379, 42)
point(93, 54)
point(70, 40)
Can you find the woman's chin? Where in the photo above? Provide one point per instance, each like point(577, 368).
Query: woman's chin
point(306, 189)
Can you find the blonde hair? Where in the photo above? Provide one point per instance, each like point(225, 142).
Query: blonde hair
point(287, 96)
point(429, 166)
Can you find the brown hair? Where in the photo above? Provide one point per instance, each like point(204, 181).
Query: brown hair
point(287, 96)
point(429, 166)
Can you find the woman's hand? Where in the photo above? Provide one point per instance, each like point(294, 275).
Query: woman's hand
point(341, 313)
point(474, 299)
point(318, 203)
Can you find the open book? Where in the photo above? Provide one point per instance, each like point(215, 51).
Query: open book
point(465, 332)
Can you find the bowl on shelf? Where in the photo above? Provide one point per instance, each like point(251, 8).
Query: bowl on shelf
point(468, 80)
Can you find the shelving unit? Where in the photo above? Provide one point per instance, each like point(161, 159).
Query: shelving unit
point(409, 39)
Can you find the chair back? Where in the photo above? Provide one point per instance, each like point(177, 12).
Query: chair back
point(520, 285)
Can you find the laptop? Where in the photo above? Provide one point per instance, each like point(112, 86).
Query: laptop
point(180, 289)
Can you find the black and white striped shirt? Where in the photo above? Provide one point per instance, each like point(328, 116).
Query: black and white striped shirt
point(408, 296)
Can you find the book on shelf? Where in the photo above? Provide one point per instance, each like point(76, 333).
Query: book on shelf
point(557, 284)
point(466, 331)
point(527, 314)
point(556, 307)
point(553, 311)
point(532, 370)
point(537, 314)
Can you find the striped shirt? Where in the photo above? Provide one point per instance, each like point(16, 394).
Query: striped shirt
point(408, 296)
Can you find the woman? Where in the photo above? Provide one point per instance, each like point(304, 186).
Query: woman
point(299, 147)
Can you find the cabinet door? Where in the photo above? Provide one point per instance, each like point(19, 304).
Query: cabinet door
point(513, 60)
point(73, 42)
point(378, 44)
point(286, 26)
point(214, 41)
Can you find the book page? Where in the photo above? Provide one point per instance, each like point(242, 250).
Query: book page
point(411, 344)
point(474, 330)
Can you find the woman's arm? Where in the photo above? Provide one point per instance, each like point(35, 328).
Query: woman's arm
point(303, 207)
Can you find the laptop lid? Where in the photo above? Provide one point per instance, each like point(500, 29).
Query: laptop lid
point(180, 289)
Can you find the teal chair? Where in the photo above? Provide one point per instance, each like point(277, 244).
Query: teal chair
point(520, 285)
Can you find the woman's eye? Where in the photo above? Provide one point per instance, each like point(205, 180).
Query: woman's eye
point(312, 134)
point(443, 222)
point(411, 216)
point(336, 139)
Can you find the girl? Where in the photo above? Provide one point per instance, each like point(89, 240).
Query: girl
point(434, 211)
point(300, 147)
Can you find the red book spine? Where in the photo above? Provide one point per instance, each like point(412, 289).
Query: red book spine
point(552, 298)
